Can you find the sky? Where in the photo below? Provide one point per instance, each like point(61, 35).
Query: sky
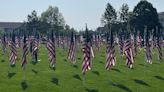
point(76, 12)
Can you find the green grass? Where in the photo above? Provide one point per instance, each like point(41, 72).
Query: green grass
point(68, 78)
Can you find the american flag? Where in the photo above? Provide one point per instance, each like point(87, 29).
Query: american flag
point(121, 44)
point(110, 53)
point(13, 52)
point(72, 49)
point(147, 47)
point(51, 50)
point(159, 45)
point(62, 42)
point(18, 42)
point(98, 42)
point(128, 53)
point(35, 47)
point(87, 58)
point(153, 42)
point(25, 52)
point(133, 45)
point(139, 41)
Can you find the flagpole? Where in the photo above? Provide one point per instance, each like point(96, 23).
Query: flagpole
point(84, 80)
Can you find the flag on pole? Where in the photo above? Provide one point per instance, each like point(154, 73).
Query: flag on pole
point(128, 53)
point(72, 49)
point(17, 41)
point(139, 41)
point(87, 58)
point(51, 50)
point(25, 52)
point(13, 52)
point(159, 44)
point(159, 47)
point(147, 47)
point(35, 47)
point(128, 49)
point(110, 52)
point(98, 42)
point(121, 44)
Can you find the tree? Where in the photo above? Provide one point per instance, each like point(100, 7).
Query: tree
point(53, 17)
point(109, 16)
point(124, 14)
point(32, 22)
point(124, 17)
point(144, 14)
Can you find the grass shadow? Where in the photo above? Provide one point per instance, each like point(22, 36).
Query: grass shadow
point(53, 68)
point(75, 66)
point(2, 61)
point(76, 76)
point(13, 65)
point(96, 73)
point(143, 65)
point(159, 77)
point(10, 75)
point(79, 58)
point(101, 62)
point(55, 81)
point(117, 70)
point(91, 90)
point(102, 56)
point(34, 62)
point(122, 87)
point(157, 63)
point(24, 85)
point(141, 82)
point(65, 60)
point(35, 71)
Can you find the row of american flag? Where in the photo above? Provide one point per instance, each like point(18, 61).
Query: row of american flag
point(129, 46)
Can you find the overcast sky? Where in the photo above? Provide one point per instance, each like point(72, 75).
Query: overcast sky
point(75, 12)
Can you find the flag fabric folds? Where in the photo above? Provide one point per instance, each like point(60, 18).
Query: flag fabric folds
point(25, 52)
point(72, 50)
point(13, 52)
point(87, 53)
point(110, 52)
point(51, 50)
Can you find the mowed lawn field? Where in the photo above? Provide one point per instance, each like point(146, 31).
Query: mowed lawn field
point(39, 77)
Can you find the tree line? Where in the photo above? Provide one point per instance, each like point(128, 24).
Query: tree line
point(143, 14)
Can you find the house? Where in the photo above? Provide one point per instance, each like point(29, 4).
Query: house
point(9, 26)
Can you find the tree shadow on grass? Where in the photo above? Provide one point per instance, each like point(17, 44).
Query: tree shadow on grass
point(34, 71)
point(101, 62)
point(65, 60)
point(76, 76)
point(102, 56)
point(143, 65)
point(75, 66)
point(122, 87)
point(96, 73)
point(141, 82)
point(79, 58)
point(91, 90)
point(10, 75)
point(2, 61)
point(24, 85)
point(117, 70)
point(12, 66)
point(34, 62)
point(159, 77)
point(157, 63)
point(55, 81)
